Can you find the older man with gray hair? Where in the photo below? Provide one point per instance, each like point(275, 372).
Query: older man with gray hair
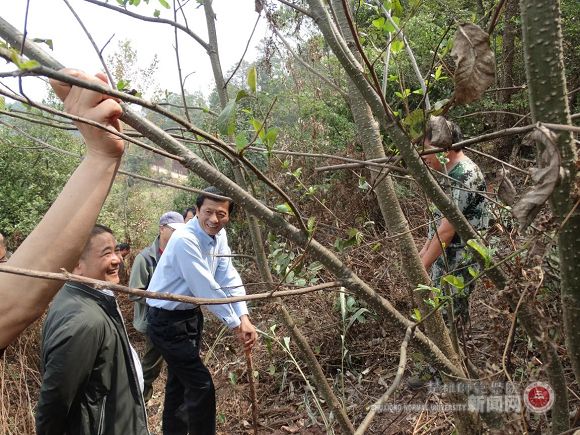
point(141, 273)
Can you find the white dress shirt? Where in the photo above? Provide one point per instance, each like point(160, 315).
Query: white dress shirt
point(196, 264)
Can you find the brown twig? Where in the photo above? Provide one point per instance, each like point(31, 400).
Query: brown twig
point(200, 41)
point(397, 381)
point(99, 285)
point(244, 53)
point(250, 364)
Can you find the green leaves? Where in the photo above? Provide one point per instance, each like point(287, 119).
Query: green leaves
point(123, 85)
point(481, 250)
point(252, 79)
point(45, 41)
point(164, 3)
point(455, 281)
point(241, 95)
point(397, 45)
point(414, 121)
point(226, 122)
point(20, 62)
point(284, 208)
point(416, 315)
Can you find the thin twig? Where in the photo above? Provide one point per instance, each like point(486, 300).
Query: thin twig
point(178, 59)
point(297, 8)
point(184, 29)
point(244, 53)
point(495, 17)
point(376, 407)
point(94, 44)
point(250, 365)
point(100, 285)
point(307, 65)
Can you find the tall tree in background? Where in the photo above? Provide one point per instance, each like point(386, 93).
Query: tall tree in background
point(542, 38)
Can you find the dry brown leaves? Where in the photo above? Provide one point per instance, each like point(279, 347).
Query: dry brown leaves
point(545, 176)
point(475, 63)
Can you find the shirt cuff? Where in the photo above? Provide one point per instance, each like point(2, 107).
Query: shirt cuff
point(232, 322)
point(241, 308)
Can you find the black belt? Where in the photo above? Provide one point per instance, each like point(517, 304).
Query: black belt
point(174, 314)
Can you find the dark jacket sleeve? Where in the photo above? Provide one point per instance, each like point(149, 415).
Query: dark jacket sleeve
point(140, 277)
point(69, 351)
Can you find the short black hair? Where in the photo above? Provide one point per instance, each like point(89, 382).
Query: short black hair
point(187, 210)
point(123, 246)
point(214, 190)
point(97, 229)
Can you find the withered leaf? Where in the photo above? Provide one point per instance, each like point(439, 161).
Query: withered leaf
point(441, 134)
point(545, 177)
point(505, 190)
point(475, 63)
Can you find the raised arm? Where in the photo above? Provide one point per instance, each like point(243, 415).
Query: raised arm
point(59, 238)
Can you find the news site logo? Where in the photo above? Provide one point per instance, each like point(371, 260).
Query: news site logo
point(539, 397)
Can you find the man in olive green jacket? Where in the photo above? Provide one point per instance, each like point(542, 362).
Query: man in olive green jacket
point(92, 379)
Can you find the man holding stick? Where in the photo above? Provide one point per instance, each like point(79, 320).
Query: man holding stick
point(196, 262)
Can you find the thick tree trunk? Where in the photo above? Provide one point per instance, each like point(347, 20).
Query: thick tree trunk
point(542, 40)
point(371, 141)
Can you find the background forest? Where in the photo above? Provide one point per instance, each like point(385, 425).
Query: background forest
point(318, 140)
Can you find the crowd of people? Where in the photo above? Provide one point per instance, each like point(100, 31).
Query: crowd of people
point(93, 381)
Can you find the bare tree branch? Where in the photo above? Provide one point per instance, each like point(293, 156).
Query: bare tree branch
point(306, 64)
point(396, 382)
point(184, 29)
point(101, 285)
point(94, 44)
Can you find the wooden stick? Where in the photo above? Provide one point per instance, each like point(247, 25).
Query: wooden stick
point(95, 283)
point(252, 391)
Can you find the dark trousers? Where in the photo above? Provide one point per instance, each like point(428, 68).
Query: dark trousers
point(152, 363)
point(189, 394)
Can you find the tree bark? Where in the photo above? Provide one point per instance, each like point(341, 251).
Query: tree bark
point(542, 41)
point(371, 141)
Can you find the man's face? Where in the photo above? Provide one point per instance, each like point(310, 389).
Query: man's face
point(431, 160)
point(99, 261)
point(165, 232)
point(188, 216)
point(213, 215)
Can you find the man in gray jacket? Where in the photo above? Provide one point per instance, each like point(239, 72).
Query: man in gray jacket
point(141, 273)
point(92, 379)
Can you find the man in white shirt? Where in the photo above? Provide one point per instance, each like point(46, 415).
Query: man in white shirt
point(197, 263)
